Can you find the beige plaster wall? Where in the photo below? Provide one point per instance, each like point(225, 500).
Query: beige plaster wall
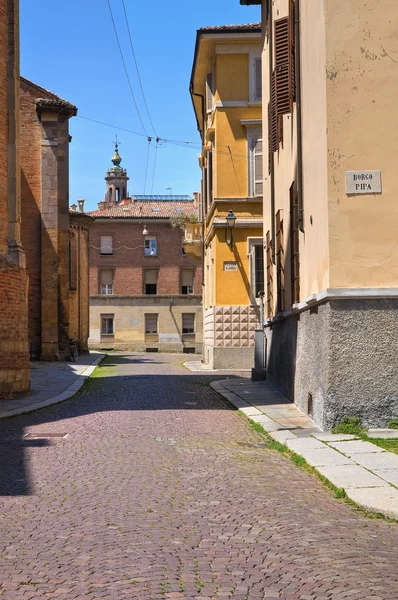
point(129, 320)
point(361, 69)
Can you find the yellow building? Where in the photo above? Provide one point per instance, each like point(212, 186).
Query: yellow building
point(226, 93)
point(330, 205)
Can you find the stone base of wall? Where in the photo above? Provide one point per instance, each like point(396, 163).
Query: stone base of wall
point(142, 347)
point(229, 358)
point(14, 346)
point(338, 359)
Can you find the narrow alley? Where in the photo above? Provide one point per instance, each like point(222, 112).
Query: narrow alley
point(157, 488)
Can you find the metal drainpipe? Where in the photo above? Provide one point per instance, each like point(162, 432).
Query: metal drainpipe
point(272, 174)
point(299, 116)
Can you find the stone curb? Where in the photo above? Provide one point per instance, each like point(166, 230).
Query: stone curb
point(376, 495)
point(65, 395)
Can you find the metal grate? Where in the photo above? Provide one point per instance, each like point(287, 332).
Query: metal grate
point(44, 435)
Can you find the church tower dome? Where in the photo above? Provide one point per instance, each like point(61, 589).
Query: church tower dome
point(116, 179)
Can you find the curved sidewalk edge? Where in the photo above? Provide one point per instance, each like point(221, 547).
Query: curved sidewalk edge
point(68, 393)
point(368, 474)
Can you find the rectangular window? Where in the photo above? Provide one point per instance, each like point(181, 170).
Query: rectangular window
point(294, 245)
point(150, 282)
point(107, 325)
point(209, 91)
point(280, 262)
point(106, 281)
point(256, 254)
point(187, 282)
point(151, 323)
point(106, 244)
point(188, 323)
point(270, 277)
point(255, 77)
point(255, 147)
point(150, 246)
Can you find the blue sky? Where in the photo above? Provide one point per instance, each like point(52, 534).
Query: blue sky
point(70, 48)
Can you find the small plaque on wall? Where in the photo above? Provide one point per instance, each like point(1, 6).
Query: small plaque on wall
point(230, 266)
point(363, 182)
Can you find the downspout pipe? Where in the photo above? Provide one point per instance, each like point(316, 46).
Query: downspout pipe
point(297, 66)
point(272, 161)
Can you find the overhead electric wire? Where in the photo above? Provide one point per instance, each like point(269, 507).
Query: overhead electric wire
point(125, 68)
point(136, 66)
point(179, 143)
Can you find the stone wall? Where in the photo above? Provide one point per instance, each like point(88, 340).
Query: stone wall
point(341, 353)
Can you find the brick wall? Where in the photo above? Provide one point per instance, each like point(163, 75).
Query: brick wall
point(78, 296)
point(129, 264)
point(14, 356)
point(31, 207)
point(3, 131)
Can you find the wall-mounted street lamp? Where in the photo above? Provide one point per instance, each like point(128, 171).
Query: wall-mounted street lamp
point(145, 231)
point(230, 219)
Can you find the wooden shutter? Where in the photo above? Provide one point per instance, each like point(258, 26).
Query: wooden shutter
point(209, 91)
point(292, 18)
point(188, 323)
point(294, 241)
point(270, 282)
point(258, 79)
point(283, 66)
point(280, 263)
point(151, 323)
point(106, 277)
point(187, 278)
point(151, 276)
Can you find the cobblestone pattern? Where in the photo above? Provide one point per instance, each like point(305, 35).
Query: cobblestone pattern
point(160, 491)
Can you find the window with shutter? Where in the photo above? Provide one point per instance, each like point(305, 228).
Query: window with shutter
point(209, 91)
point(188, 323)
point(187, 282)
point(256, 254)
point(283, 66)
point(150, 282)
point(151, 323)
point(270, 280)
point(294, 245)
point(280, 262)
point(106, 244)
point(106, 281)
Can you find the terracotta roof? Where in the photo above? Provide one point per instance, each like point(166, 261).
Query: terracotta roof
point(245, 27)
point(145, 210)
point(47, 98)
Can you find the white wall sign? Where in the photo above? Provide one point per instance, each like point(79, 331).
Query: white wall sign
point(363, 182)
point(230, 266)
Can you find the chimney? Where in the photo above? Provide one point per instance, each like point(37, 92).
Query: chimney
point(73, 207)
point(101, 205)
point(81, 205)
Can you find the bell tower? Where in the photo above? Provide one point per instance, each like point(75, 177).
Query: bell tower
point(116, 179)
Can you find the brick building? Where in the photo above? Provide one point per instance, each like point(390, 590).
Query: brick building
point(145, 289)
point(14, 354)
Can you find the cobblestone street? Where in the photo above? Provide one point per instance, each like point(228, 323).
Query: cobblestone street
point(157, 492)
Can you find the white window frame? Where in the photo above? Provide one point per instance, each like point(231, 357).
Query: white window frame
point(252, 242)
point(148, 247)
point(254, 135)
point(210, 92)
point(106, 289)
point(253, 57)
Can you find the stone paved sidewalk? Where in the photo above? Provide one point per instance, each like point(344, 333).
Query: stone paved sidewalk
point(51, 382)
point(368, 474)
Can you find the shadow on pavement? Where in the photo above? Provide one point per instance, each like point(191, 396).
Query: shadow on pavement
point(110, 392)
